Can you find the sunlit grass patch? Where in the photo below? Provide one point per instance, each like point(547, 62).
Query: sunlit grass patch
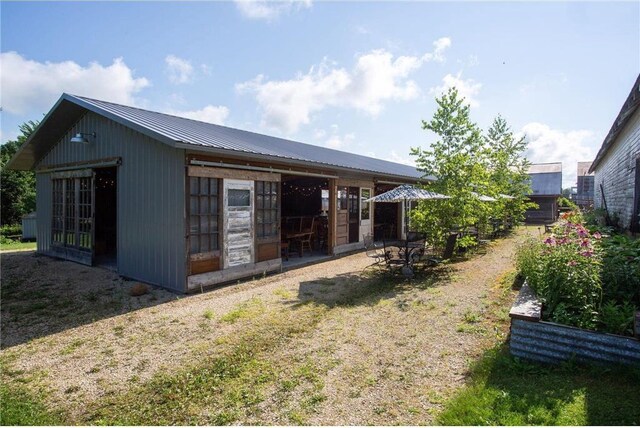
point(507, 391)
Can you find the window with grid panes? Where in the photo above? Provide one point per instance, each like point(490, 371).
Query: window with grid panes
point(203, 214)
point(267, 208)
point(72, 216)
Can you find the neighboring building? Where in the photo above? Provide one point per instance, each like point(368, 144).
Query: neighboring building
point(184, 204)
point(546, 187)
point(617, 165)
point(584, 192)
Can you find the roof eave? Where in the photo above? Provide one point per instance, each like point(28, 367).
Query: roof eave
point(628, 109)
point(295, 162)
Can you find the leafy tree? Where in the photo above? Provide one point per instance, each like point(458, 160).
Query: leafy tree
point(508, 171)
point(459, 161)
point(17, 188)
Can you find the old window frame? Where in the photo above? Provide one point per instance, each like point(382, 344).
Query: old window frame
point(205, 206)
point(72, 210)
point(267, 209)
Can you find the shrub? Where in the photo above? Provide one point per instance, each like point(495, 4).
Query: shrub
point(617, 318)
point(621, 269)
point(564, 271)
point(573, 271)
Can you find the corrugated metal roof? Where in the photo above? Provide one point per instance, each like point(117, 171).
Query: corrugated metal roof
point(543, 168)
point(629, 107)
point(179, 131)
point(583, 168)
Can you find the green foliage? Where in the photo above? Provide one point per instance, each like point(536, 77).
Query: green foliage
point(618, 318)
point(17, 188)
point(458, 160)
point(18, 406)
point(621, 269)
point(508, 172)
point(505, 391)
point(574, 271)
point(566, 203)
point(466, 163)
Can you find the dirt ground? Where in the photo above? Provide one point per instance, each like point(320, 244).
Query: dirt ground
point(384, 354)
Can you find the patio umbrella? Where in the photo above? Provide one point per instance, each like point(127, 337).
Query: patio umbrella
point(484, 198)
point(406, 193)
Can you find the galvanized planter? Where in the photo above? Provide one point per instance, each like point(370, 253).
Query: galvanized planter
point(549, 342)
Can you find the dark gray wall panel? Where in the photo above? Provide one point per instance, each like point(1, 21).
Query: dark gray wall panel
point(151, 204)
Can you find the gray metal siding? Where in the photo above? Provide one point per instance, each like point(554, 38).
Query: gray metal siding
point(553, 343)
point(546, 183)
point(151, 199)
point(43, 210)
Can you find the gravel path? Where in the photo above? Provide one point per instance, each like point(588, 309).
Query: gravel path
point(396, 354)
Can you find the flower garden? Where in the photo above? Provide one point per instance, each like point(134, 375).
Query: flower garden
point(584, 278)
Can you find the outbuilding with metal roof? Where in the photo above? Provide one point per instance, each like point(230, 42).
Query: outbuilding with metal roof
point(185, 204)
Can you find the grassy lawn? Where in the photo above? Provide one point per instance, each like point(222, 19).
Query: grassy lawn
point(507, 391)
point(349, 349)
point(18, 246)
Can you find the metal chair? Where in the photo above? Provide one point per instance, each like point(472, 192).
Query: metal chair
point(373, 251)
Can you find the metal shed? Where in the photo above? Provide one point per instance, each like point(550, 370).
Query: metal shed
point(180, 203)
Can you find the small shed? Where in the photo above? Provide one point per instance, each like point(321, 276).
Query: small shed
point(585, 188)
point(185, 204)
point(29, 227)
point(546, 188)
point(617, 165)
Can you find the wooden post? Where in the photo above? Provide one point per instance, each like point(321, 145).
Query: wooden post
point(331, 239)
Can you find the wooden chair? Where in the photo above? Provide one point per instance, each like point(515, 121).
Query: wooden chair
point(306, 234)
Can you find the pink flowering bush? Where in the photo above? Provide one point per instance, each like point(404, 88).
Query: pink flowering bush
point(564, 271)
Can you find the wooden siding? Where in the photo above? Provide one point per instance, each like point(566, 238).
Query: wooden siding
point(616, 173)
point(151, 202)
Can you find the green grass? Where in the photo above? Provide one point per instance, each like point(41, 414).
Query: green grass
point(16, 245)
point(506, 391)
point(228, 381)
point(18, 406)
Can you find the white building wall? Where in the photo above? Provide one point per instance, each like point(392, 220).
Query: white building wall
point(616, 172)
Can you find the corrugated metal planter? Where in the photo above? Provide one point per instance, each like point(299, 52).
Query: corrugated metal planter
point(29, 228)
point(549, 342)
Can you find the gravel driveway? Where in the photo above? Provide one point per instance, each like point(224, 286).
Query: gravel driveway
point(388, 351)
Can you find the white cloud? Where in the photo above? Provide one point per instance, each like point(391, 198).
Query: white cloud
point(377, 77)
point(179, 70)
point(551, 145)
point(334, 139)
point(468, 88)
point(209, 113)
point(269, 10)
point(395, 157)
point(29, 85)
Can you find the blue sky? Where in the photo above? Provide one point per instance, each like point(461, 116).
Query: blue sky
point(357, 76)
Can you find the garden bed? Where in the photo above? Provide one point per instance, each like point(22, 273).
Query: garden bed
point(534, 339)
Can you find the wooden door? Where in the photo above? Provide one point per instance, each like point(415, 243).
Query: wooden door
point(354, 214)
point(342, 216)
point(238, 223)
point(365, 212)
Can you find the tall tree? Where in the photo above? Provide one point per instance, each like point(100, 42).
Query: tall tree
point(508, 170)
point(17, 188)
point(458, 159)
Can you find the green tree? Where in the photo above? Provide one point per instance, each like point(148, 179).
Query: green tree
point(508, 171)
point(459, 161)
point(17, 188)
